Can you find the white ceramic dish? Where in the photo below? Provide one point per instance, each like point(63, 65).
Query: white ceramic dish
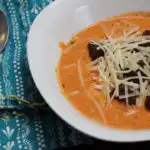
point(58, 22)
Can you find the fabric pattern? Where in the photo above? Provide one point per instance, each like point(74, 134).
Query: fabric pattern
point(22, 127)
point(15, 77)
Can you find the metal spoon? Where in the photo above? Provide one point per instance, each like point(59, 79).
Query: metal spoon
point(4, 31)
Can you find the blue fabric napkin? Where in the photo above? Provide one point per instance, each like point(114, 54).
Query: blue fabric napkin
point(22, 127)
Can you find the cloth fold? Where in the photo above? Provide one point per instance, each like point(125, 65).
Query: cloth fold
point(23, 127)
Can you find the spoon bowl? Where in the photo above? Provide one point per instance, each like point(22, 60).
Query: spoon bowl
point(4, 30)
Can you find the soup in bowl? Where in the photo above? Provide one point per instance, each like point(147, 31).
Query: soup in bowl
point(90, 61)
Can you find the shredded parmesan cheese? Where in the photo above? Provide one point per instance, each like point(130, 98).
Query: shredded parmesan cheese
point(99, 87)
point(74, 93)
point(123, 55)
point(79, 69)
point(69, 66)
point(127, 95)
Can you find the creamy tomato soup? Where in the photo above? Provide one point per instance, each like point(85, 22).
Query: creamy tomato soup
point(100, 94)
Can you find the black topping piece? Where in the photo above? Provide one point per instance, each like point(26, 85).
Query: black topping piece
point(146, 33)
point(135, 50)
point(132, 100)
point(147, 103)
point(131, 74)
point(93, 52)
point(141, 63)
point(145, 45)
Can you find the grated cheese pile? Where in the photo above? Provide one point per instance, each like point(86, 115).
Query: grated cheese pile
point(123, 55)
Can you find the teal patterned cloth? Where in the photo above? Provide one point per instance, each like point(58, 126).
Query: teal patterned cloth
point(22, 127)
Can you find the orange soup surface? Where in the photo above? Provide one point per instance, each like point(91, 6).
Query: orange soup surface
point(75, 80)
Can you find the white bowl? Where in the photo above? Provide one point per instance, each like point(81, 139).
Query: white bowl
point(58, 22)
